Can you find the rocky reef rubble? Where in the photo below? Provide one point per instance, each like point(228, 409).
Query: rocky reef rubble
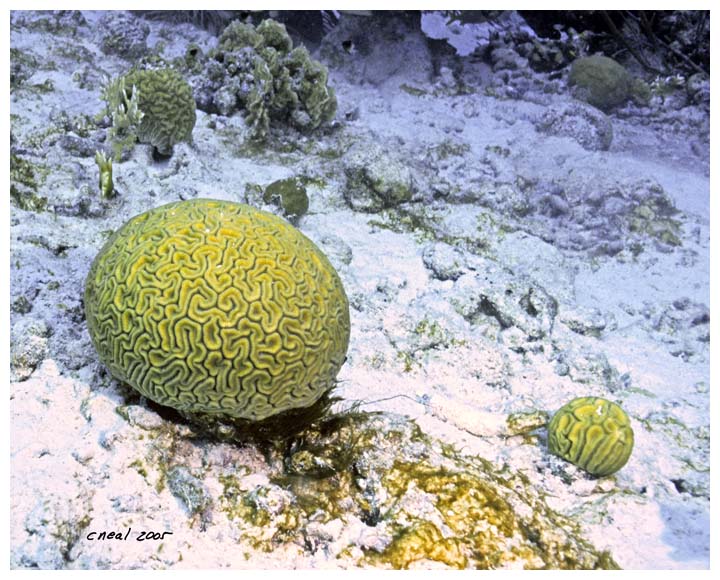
point(357, 490)
point(504, 247)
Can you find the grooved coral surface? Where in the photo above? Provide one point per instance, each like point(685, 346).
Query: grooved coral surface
point(168, 106)
point(593, 433)
point(216, 307)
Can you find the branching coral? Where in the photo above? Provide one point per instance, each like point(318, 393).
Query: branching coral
point(122, 107)
point(257, 69)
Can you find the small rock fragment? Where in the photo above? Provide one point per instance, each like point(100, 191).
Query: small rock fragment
point(188, 488)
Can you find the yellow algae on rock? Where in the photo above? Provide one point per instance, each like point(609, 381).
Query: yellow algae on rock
point(422, 503)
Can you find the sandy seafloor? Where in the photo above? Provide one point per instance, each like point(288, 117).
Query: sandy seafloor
point(440, 333)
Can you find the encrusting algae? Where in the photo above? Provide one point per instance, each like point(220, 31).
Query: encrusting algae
point(432, 507)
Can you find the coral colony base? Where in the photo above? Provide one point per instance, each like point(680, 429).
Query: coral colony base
point(413, 291)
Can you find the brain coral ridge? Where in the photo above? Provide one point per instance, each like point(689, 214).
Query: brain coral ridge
point(216, 307)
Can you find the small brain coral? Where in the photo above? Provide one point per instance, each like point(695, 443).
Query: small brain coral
point(592, 433)
point(165, 107)
point(257, 69)
point(600, 81)
point(217, 308)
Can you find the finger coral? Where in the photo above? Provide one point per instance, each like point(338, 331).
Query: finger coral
point(217, 308)
point(592, 433)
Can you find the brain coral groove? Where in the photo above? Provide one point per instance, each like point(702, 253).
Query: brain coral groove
point(216, 307)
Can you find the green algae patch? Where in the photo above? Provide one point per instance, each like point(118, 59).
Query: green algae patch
point(251, 509)
point(414, 91)
point(448, 148)
point(266, 514)
point(482, 525)
point(319, 467)
point(498, 150)
point(47, 86)
point(188, 489)
point(525, 423)
point(373, 490)
point(653, 219)
point(407, 360)
point(426, 225)
point(290, 195)
point(23, 65)
point(400, 222)
point(436, 335)
point(138, 466)
point(231, 500)
point(25, 180)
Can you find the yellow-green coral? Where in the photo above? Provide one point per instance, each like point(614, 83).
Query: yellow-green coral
point(218, 308)
point(593, 433)
point(156, 106)
point(472, 509)
point(601, 81)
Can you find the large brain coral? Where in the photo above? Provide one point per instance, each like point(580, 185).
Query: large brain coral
point(220, 309)
point(165, 103)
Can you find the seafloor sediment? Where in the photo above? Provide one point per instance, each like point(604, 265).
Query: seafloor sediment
point(504, 247)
